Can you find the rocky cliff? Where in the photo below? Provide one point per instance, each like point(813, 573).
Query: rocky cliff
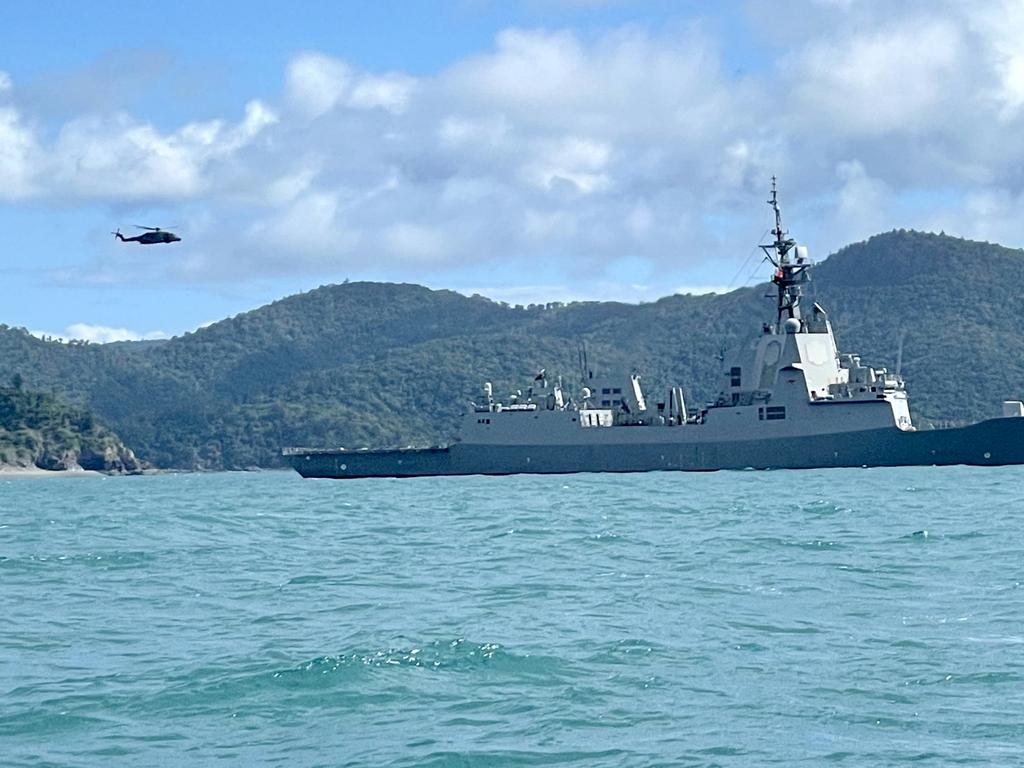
point(37, 430)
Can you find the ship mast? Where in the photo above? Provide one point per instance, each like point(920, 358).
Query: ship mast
point(790, 267)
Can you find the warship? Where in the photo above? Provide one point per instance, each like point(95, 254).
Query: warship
point(788, 400)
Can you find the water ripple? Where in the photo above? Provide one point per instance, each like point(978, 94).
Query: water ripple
point(848, 617)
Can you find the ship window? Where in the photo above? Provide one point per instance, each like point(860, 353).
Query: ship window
point(775, 412)
point(735, 374)
point(617, 391)
point(606, 391)
point(606, 403)
point(616, 402)
point(760, 414)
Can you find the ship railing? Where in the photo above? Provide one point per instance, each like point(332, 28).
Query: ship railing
point(521, 407)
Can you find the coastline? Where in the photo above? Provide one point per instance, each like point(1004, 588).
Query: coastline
point(8, 472)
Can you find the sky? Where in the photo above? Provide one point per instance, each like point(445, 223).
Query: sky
point(526, 150)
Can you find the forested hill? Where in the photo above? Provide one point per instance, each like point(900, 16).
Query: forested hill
point(37, 430)
point(383, 364)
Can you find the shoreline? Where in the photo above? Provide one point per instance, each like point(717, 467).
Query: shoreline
point(8, 472)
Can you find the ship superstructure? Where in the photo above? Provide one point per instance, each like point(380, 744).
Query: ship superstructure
point(790, 380)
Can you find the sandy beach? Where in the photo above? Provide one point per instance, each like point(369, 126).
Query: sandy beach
point(9, 473)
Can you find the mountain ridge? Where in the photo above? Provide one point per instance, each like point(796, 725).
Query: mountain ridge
point(395, 363)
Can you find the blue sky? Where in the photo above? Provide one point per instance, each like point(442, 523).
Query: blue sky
point(529, 151)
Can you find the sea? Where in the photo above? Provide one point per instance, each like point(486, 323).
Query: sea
point(855, 617)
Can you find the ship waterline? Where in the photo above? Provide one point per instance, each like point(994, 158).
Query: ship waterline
point(989, 443)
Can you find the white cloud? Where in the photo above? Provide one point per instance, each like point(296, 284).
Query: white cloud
point(257, 117)
point(317, 84)
point(99, 334)
point(19, 156)
point(416, 242)
point(120, 158)
point(553, 156)
point(576, 160)
point(897, 78)
point(286, 188)
point(528, 69)
point(459, 132)
point(390, 92)
point(309, 222)
point(549, 226)
point(591, 290)
point(5, 81)
point(864, 205)
point(991, 214)
point(1000, 27)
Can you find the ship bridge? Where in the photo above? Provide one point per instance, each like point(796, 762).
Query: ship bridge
point(795, 361)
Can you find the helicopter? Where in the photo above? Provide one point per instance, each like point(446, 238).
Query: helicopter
point(153, 235)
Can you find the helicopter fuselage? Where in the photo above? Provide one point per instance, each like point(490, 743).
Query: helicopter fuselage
point(149, 238)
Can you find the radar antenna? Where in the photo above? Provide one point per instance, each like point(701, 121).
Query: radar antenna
point(790, 270)
point(585, 373)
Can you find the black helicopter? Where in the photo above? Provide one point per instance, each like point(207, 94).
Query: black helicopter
point(154, 235)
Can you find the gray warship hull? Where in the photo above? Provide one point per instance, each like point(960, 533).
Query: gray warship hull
point(988, 443)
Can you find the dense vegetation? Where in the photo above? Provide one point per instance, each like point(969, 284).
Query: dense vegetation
point(37, 430)
point(383, 364)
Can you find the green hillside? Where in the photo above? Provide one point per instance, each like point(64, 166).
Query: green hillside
point(384, 364)
point(37, 430)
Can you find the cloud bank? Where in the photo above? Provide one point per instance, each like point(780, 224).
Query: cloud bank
point(98, 334)
point(553, 160)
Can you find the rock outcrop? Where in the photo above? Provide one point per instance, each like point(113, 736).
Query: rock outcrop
point(37, 430)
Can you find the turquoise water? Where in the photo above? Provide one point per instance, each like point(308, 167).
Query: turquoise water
point(730, 619)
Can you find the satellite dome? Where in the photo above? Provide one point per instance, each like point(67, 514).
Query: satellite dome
point(792, 325)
